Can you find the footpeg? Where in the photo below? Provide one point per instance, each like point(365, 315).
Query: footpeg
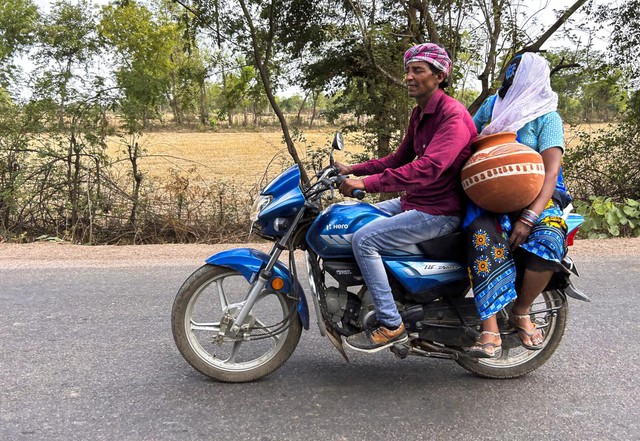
point(401, 351)
point(575, 293)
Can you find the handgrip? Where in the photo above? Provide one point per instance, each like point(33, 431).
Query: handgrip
point(358, 194)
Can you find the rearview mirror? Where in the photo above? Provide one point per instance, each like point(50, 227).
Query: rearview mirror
point(338, 142)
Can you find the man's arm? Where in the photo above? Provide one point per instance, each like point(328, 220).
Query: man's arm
point(451, 137)
point(403, 155)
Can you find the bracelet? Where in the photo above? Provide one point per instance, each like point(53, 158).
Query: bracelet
point(530, 214)
point(527, 222)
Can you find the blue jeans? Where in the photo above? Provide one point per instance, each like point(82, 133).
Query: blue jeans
point(402, 229)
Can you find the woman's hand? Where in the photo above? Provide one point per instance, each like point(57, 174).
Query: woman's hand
point(350, 184)
point(343, 169)
point(519, 235)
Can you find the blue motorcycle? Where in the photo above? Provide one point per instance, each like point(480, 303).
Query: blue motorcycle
point(240, 316)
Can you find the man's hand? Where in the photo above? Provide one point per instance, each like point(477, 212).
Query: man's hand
point(343, 169)
point(519, 235)
point(350, 184)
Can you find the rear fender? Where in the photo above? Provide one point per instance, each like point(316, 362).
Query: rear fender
point(249, 262)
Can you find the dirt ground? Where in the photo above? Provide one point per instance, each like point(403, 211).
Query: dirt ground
point(63, 255)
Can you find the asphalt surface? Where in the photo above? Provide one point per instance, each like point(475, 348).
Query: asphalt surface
point(87, 353)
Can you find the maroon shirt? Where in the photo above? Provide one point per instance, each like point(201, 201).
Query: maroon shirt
point(440, 139)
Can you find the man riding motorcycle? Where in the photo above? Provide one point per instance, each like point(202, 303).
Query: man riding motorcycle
point(427, 167)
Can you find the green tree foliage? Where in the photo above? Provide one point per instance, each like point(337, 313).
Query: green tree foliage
point(141, 59)
point(143, 48)
point(18, 20)
point(590, 90)
point(66, 46)
point(625, 38)
point(603, 169)
point(66, 117)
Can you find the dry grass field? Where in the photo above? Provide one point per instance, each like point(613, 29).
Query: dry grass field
point(241, 157)
point(238, 157)
point(570, 136)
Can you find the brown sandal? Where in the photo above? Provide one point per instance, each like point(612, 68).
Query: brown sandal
point(483, 350)
point(513, 318)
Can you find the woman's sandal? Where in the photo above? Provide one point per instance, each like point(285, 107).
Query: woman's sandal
point(513, 320)
point(483, 350)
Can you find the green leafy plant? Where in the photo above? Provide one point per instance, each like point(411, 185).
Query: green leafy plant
point(606, 218)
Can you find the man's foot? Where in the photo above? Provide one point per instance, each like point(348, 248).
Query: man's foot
point(529, 334)
point(489, 345)
point(376, 339)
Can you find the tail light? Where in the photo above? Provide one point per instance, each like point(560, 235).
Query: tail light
point(571, 236)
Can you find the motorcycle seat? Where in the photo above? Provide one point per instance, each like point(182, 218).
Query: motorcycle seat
point(448, 247)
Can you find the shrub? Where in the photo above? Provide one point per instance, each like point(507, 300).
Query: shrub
point(606, 162)
point(606, 218)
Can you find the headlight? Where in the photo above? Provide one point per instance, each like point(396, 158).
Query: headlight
point(260, 203)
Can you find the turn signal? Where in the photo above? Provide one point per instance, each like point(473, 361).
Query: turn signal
point(277, 283)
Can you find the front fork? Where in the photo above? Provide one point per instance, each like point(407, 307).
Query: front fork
point(265, 275)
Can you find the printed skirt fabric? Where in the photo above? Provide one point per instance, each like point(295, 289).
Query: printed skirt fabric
point(548, 238)
point(492, 270)
point(491, 267)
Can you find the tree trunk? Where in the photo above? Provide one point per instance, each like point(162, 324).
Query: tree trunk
point(202, 102)
point(315, 105)
point(134, 153)
point(173, 99)
point(304, 101)
point(266, 82)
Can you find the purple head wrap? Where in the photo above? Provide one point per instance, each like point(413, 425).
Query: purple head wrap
point(431, 53)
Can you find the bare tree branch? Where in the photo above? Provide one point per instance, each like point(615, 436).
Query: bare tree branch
point(535, 46)
point(562, 65)
point(369, 47)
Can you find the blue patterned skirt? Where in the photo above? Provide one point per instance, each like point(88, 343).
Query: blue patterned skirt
point(490, 262)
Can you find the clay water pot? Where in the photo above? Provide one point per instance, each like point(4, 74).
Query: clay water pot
point(502, 175)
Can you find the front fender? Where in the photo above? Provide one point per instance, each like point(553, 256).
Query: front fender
point(249, 262)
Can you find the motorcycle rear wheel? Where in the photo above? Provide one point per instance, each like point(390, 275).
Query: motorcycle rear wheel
point(517, 361)
point(197, 310)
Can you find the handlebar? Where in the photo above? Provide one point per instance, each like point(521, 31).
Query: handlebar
point(330, 178)
point(358, 194)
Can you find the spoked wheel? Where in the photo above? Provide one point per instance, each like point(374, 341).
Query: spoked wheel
point(269, 336)
point(516, 360)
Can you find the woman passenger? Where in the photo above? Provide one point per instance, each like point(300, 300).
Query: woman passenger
point(535, 237)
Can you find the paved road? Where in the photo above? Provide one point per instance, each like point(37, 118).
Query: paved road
point(87, 353)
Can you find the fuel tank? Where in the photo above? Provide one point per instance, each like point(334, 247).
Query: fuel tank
point(331, 233)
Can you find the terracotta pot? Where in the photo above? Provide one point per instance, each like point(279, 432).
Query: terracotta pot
point(502, 175)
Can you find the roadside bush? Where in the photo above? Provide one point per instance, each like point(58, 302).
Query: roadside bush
point(606, 162)
point(606, 218)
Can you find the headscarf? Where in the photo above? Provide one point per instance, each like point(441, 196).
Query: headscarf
point(431, 53)
point(527, 95)
point(509, 75)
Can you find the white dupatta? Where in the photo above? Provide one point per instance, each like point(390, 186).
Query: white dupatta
point(529, 97)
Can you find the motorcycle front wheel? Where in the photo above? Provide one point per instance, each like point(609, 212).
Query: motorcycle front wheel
point(516, 360)
point(271, 333)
